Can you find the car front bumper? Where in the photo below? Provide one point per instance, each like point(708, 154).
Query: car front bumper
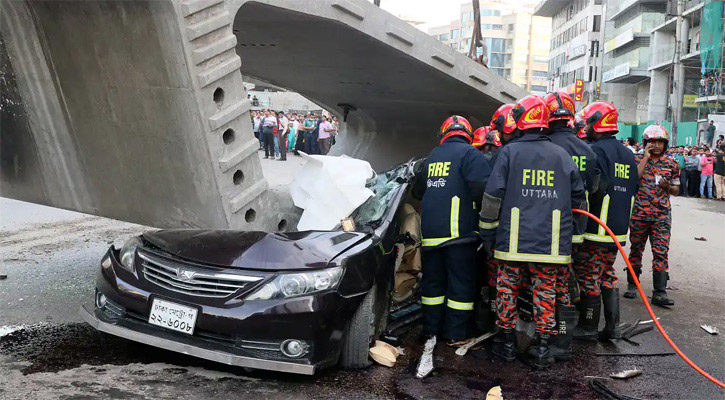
point(144, 333)
point(229, 330)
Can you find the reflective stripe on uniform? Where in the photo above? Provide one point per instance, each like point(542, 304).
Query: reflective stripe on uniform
point(577, 238)
point(604, 238)
point(603, 215)
point(432, 301)
point(457, 305)
point(555, 231)
point(434, 241)
point(488, 225)
point(514, 235)
point(455, 205)
point(526, 257)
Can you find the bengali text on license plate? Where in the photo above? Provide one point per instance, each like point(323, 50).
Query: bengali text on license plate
point(173, 316)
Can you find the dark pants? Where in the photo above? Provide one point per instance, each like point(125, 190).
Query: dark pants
point(683, 184)
point(268, 143)
point(283, 147)
point(448, 290)
point(311, 143)
point(324, 145)
point(693, 183)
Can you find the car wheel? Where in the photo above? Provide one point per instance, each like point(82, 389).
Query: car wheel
point(361, 330)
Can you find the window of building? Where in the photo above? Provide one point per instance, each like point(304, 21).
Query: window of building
point(594, 48)
point(591, 71)
point(538, 88)
point(497, 27)
point(597, 23)
point(454, 34)
point(539, 74)
point(464, 17)
point(443, 37)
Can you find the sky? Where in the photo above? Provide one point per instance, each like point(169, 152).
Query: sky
point(432, 12)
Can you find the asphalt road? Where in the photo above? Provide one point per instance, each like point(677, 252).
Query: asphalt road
point(51, 257)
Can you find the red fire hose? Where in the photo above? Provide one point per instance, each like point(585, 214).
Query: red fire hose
point(646, 304)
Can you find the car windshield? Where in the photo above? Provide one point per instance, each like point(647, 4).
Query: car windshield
point(385, 186)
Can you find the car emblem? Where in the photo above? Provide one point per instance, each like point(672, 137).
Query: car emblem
point(185, 275)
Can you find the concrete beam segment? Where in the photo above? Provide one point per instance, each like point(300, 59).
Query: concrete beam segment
point(137, 110)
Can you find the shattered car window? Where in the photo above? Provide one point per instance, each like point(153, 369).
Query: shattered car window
point(385, 186)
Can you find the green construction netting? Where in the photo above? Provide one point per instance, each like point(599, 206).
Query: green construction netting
point(711, 36)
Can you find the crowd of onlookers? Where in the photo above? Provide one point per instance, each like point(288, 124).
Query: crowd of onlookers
point(702, 169)
point(280, 133)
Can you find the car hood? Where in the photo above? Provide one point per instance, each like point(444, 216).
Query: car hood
point(255, 250)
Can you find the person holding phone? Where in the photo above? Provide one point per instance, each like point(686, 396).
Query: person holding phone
point(652, 212)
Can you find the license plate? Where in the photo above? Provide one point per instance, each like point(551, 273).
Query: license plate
point(173, 316)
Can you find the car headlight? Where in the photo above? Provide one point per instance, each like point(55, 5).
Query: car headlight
point(128, 253)
point(298, 284)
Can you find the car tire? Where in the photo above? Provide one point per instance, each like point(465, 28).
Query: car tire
point(362, 328)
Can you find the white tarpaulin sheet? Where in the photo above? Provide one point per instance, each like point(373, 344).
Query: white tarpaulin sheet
point(329, 189)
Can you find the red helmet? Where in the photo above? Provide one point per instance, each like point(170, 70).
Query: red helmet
point(655, 132)
point(580, 128)
point(484, 135)
point(499, 117)
point(529, 113)
point(456, 125)
point(560, 106)
point(601, 115)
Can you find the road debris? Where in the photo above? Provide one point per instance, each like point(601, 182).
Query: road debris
point(701, 239)
point(494, 393)
point(384, 354)
point(605, 392)
point(425, 365)
point(626, 374)
point(3, 277)
point(664, 353)
point(461, 351)
point(710, 329)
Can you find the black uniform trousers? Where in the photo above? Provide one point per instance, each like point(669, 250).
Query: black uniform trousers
point(448, 290)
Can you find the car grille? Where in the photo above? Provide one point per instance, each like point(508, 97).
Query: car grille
point(193, 280)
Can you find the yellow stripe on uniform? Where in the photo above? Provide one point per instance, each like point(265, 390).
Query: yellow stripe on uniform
point(603, 215)
point(526, 257)
point(455, 205)
point(555, 231)
point(488, 225)
point(457, 305)
point(435, 241)
point(604, 238)
point(514, 235)
point(432, 301)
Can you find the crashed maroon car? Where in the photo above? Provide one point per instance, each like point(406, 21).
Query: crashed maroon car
point(293, 302)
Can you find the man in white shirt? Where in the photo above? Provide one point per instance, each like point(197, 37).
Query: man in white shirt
point(323, 137)
point(282, 136)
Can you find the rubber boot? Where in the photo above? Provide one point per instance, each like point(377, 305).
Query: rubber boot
point(540, 355)
point(504, 345)
point(659, 294)
point(565, 322)
point(610, 300)
point(589, 309)
point(631, 292)
point(426, 363)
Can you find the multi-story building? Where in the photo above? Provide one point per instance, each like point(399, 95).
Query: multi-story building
point(576, 45)
point(517, 42)
point(702, 96)
point(627, 50)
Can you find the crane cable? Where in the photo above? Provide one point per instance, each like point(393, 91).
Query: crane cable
point(646, 304)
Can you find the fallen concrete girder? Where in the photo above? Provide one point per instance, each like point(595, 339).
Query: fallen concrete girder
point(137, 110)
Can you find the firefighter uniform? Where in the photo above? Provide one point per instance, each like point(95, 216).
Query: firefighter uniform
point(451, 181)
point(652, 218)
point(527, 203)
point(612, 203)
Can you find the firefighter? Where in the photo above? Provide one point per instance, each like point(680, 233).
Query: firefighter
point(451, 181)
point(611, 201)
point(652, 217)
point(561, 132)
point(527, 203)
point(486, 141)
point(498, 120)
